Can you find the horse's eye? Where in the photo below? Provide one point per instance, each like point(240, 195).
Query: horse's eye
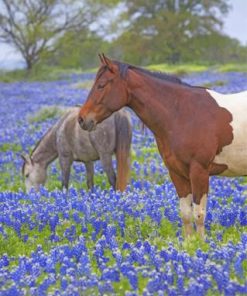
point(27, 175)
point(101, 85)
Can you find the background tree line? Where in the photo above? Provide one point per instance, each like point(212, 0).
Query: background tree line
point(70, 33)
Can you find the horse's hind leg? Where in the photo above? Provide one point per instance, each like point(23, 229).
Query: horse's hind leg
point(90, 174)
point(65, 164)
point(106, 160)
point(199, 177)
point(183, 189)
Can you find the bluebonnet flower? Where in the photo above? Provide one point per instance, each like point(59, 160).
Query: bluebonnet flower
point(103, 215)
point(70, 233)
point(105, 287)
point(4, 260)
point(53, 221)
point(14, 290)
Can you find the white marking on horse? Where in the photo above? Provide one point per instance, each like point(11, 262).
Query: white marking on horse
point(199, 212)
point(185, 204)
point(235, 154)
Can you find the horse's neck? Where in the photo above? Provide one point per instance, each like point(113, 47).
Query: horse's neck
point(46, 150)
point(151, 100)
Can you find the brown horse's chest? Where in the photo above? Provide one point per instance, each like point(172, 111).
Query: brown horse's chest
point(172, 158)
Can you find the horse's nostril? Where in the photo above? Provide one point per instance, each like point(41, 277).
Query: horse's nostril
point(80, 120)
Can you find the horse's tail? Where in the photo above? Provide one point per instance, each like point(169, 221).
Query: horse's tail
point(123, 145)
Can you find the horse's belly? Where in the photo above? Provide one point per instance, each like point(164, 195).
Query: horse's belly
point(86, 157)
point(85, 154)
point(83, 150)
point(235, 157)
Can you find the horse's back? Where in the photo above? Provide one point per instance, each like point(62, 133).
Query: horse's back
point(103, 138)
point(88, 146)
point(234, 103)
point(72, 139)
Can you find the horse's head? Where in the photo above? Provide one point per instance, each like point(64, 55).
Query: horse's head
point(108, 94)
point(34, 174)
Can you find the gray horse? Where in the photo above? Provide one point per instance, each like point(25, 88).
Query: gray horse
point(67, 141)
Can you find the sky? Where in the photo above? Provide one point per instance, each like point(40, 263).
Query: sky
point(235, 26)
point(236, 21)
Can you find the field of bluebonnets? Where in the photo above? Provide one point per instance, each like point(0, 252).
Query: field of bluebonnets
point(105, 242)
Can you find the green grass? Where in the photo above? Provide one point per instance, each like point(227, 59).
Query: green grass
point(232, 68)
point(179, 69)
point(47, 112)
point(47, 73)
point(86, 84)
point(183, 69)
point(215, 83)
point(10, 180)
point(41, 73)
point(10, 147)
point(160, 235)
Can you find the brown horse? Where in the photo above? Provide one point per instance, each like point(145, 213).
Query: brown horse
point(198, 132)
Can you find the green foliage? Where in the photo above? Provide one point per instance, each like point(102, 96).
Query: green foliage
point(169, 30)
point(10, 179)
point(161, 235)
point(216, 48)
point(41, 72)
point(215, 83)
point(122, 286)
point(78, 50)
point(46, 73)
point(162, 31)
point(233, 67)
point(178, 69)
point(33, 29)
point(192, 244)
point(11, 76)
point(10, 147)
point(47, 113)
point(86, 84)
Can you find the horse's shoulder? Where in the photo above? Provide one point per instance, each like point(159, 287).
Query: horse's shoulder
point(66, 126)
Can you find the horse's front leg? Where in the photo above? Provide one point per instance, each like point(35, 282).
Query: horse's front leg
point(106, 160)
point(183, 189)
point(65, 164)
point(199, 178)
point(90, 174)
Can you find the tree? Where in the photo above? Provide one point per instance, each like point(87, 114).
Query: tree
point(78, 49)
point(33, 27)
point(218, 48)
point(164, 28)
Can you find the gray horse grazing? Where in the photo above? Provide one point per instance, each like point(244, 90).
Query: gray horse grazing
point(67, 141)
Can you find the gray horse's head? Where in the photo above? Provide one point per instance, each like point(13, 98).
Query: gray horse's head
point(34, 174)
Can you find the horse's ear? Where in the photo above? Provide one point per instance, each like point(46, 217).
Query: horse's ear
point(24, 157)
point(108, 63)
point(101, 58)
point(27, 158)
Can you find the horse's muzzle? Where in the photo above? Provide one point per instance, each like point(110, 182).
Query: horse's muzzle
point(87, 125)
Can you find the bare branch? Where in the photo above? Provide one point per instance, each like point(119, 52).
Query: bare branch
point(33, 27)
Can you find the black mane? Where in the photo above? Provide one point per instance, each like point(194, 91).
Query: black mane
point(123, 68)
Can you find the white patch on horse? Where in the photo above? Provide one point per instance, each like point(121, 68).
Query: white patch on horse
point(235, 154)
point(185, 205)
point(199, 212)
